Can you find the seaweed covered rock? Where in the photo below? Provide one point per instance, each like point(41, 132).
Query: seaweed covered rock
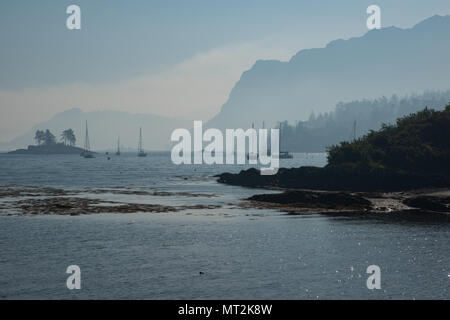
point(429, 203)
point(310, 199)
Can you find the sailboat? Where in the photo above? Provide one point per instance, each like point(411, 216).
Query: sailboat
point(141, 152)
point(87, 153)
point(284, 154)
point(118, 147)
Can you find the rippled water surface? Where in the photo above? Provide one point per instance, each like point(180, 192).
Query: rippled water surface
point(243, 253)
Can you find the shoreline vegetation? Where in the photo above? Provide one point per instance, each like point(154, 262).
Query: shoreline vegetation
point(393, 164)
point(354, 119)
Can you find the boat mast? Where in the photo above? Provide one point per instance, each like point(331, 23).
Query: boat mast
point(87, 146)
point(140, 139)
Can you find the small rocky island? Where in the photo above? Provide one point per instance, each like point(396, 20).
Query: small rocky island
point(57, 148)
point(400, 168)
point(46, 144)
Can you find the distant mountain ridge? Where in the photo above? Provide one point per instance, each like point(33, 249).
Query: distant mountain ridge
point(104, 129)
point(381, 62)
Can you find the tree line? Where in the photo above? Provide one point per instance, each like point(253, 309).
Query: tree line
point(352, 120)
point(47, 138)
point(416, 143)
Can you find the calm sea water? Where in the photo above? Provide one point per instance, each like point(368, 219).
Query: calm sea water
point(243, 253)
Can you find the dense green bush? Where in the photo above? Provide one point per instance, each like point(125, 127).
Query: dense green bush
point(418, 143)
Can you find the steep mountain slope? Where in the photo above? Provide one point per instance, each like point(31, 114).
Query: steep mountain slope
point(382, 62)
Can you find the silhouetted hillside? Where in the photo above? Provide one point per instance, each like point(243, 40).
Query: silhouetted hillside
point(380, 63)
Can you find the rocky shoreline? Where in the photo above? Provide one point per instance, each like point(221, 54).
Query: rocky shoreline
point(337, 178)
point(57, 148)
point(430, 202)
point(31, 200)
point(346, 190)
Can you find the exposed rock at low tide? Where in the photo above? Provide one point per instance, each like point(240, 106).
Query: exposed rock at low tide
point(76, 206)
point(14, 191)
point(329, 202)
point(336, 178)
point(316, 200)
point(32, 200)
point(430, 203)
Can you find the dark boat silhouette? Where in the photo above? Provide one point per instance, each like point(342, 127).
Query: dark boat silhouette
point(141, 152)
point(118, 147)
point(284, 154)
point(87, 153)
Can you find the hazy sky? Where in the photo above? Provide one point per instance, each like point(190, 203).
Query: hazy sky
point(173, 58)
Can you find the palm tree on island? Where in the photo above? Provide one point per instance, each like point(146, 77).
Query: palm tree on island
point(67, 136)
point(39, 137)
point(49, 138)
